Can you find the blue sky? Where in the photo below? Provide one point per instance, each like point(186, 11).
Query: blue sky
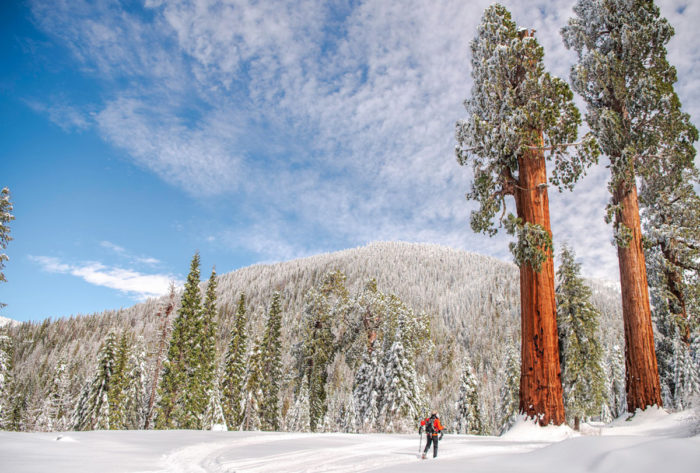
point(135, 133)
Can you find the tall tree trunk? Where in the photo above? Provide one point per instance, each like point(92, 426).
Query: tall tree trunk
point(642, 379)
point(540, 379)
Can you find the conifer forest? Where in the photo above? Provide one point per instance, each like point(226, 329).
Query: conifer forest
point(372, 339)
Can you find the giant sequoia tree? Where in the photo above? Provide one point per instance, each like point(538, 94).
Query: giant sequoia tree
point(518, 113)
point(627, 83)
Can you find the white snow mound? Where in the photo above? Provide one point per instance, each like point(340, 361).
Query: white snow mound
point(527, 429)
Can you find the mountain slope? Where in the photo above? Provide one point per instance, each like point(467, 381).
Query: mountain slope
point(472, 301)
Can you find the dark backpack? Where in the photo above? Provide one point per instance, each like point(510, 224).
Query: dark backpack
point(430, 426)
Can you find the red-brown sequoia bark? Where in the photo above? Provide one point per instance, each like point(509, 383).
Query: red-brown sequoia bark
point(642, 380)
point(540, 380)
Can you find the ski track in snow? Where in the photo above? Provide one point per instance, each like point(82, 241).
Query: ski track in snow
point(327, 457)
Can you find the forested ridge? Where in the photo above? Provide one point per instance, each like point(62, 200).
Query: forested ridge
point(471, 302)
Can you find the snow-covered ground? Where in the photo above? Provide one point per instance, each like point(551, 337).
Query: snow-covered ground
point(652, 441)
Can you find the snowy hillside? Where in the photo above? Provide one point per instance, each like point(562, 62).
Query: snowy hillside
point(472, 302)
point(653, 441)
point(5, 321)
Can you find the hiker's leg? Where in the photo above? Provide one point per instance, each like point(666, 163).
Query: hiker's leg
point(427, 444)
point(435, 445)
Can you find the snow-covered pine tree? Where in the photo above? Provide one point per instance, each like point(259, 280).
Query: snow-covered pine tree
point(468, 413)
point(119, 384)
point(617, 396)
point(214, 415)
point(318, 347)
point(271, 366)
point(627, 83)
point(174, 404)
point(6, 349)
point(138, 390)
point(509, 399)
point(234, 369)
point(202, 379)
point(580, 352)
point(253, 388)
point(5, 218)
point(55, 409)
point(517, 112)
point(299, 420)
point(92, 411)
point(402, 393)
point(671, 224)
point(368, 389)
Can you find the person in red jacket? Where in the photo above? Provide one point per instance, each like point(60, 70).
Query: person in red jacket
point(433, 430)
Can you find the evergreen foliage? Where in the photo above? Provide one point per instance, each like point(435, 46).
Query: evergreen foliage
point(508, 395)
point(214, 415)
point(470, 303)
point(5, 218)
point(580, 352)
point(402, 394)
point(625, 79)
point(515, 107)
point(6, 384)
point(468, 413)
point(270, 366)
point(202, 382)
point(181, 403)
point(234, 369)
point(54, 414)
point(617, 396)
point(627, 82)
point(671, 223)
point(323, 306)
point(93, 408)
point(253, 389)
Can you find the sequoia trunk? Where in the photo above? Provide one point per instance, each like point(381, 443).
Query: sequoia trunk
point(642, 379)
point(540, 379)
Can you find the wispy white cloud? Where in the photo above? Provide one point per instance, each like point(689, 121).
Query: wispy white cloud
point(338, 114)
point(135, 284)
point(66, 116)
point(123, 252)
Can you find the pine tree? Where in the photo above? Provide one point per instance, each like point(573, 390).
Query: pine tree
point(318, 345)
point(469, 419)
point(119, 385)
point(214, 415)
point(93, 409)
point(627, 83)
point(368, 388)
point(160, 354)
point(300, 421)
point(253, 388)
point(271, 366)
point(517, 112)
point(234, 369)
point(5, 218)
point(617, 396)
point(202, 366)
point(6, 382)
point(583, 377)
point(402, 393)
point(55, 409)
point(671, 223)
point(175, 398)
point(510, 373)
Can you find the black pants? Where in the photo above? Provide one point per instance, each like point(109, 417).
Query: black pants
point(434, 441)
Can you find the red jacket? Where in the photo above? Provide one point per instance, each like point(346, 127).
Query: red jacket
point(437, 426)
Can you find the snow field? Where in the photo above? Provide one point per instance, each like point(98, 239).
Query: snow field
point(651, 441)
